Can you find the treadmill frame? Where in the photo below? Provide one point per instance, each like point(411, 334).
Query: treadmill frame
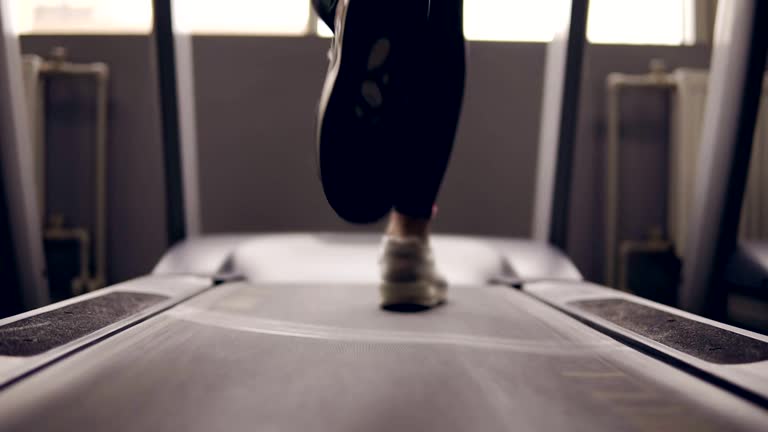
point(190, 285)
point(21, 233)
point(735, 85)
point(174, 60)
point(557, 132)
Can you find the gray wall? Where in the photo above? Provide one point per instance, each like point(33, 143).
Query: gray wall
point(256, 99)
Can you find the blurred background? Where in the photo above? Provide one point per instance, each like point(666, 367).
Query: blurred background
point(258, 66)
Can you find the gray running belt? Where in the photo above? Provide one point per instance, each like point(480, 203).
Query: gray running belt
point(256, 356)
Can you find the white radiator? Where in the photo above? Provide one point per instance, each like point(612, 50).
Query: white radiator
point(688, 93)
point(689, 101)
point(36, 71)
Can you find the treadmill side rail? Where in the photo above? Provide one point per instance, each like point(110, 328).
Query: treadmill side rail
point(747, 269)
point(743, 373)
point(85, 320)
point(204, 256)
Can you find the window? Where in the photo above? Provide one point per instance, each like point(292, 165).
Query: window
point(665, 22)
point(510, 20)
point(263, 17)
point(81, 16)
point(662, 22)
point(647, 22)
point(323, 30)
point(256, 17)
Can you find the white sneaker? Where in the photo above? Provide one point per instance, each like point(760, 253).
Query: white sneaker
point(408, 274)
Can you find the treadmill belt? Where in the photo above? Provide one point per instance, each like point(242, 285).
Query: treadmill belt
point(245, 357)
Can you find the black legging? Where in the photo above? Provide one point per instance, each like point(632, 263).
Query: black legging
point(423, 159)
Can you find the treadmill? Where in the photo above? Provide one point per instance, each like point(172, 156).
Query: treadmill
point(282, 332)
point(717, 262)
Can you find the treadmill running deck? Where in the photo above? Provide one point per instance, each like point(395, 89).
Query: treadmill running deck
point(262, 357)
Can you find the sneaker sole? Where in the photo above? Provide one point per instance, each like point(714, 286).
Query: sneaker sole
point(420, 294)
point(361, 104)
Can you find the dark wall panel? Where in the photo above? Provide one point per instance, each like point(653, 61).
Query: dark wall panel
point(256, 110)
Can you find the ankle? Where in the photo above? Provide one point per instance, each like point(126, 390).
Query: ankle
point(401, 226)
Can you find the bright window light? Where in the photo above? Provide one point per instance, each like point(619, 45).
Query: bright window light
point(323, 30)
point(81, 16)
point(510, 20)
point(651, 22)
point(647, 22)
point(247, 17)
point(258, 17)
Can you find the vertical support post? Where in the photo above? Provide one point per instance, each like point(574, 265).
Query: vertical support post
point(21, 239)
point(612, 136)
point(735, 85)
point(100, 191)
point(557, 135)
point(185, 81)
point(177, 104)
